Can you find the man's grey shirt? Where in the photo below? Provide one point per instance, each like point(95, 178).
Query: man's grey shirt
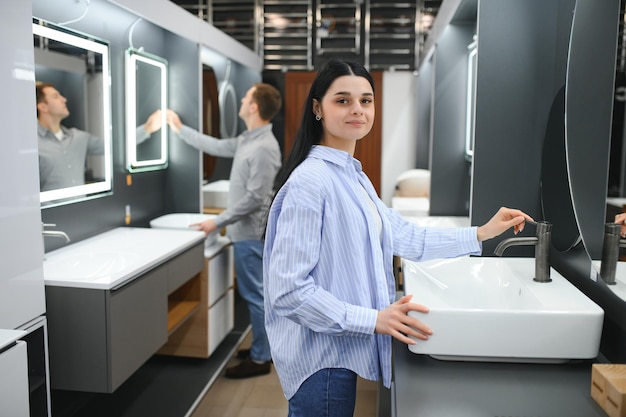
point(62, 163)
point(256, 161)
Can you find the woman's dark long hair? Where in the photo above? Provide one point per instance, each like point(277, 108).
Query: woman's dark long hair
point(310, 131)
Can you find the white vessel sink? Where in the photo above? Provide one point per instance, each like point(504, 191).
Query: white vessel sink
point(183, 221)
point(490, 309)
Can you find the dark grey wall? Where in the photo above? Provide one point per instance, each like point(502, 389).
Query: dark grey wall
point(450, 172)
point(175, 189)
point(521, 65)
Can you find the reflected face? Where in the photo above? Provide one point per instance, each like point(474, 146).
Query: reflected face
point(347, 111)
point(54, 104)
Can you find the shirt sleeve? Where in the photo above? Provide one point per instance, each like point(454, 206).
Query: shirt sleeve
point(418, 243)
point(95, 144)
point(225, 148)
point(141, 135)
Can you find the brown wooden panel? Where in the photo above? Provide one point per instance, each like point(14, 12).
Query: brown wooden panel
point(368, 149)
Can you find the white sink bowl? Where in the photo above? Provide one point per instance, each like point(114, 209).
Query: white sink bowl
point(215, 194)
point(490, 309)
point(439, 221)
point(184, 221)
point(111, 258)
point(89, 265)
point(619, 288)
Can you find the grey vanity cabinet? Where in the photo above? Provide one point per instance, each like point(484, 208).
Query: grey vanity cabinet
point(99, 338)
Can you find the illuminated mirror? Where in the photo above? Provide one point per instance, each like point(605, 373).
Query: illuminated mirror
point(72, 71)
point(146, 105)
point(470, 115)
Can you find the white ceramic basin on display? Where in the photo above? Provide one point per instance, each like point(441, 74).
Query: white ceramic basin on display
point(183, 221)
point(439, 221)
point(490, 309)
point(215, 194)
point(110, 259)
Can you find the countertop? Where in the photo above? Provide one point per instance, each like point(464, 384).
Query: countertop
point(428, 387)
point(9, 336)
point(212, 250)
point(110, 259)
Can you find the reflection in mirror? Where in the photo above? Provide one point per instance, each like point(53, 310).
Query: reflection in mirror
point(592, 56)
point(146, 105)
point(556, 200)
point(73, 111)
point(229, 107)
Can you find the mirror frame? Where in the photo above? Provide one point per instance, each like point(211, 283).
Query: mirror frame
point(133, 56)
point(49, 30)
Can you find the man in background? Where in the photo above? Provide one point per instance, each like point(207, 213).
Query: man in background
point(256, 160)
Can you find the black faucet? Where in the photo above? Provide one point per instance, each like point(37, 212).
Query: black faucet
point(542, 249)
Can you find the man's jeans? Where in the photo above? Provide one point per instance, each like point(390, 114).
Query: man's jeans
point(249, 269)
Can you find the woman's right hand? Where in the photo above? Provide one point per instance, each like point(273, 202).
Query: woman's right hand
point(395, 321)
point(621, 219)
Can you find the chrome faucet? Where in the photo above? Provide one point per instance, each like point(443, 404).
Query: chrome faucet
point(53, 233)
point(542, 249)
point(610, 252)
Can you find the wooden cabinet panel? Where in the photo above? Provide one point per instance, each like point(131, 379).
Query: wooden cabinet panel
point(368, 149)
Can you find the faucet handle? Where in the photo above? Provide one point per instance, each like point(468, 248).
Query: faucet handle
point(48, 224)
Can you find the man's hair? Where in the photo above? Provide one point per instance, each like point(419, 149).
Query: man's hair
point(268, 100)
point(41, 96)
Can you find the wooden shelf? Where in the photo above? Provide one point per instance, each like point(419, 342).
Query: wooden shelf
point(183, 303)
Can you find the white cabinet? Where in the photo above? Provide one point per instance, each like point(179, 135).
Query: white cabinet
point(199, 336)
point(21, 280)
point(14, 398)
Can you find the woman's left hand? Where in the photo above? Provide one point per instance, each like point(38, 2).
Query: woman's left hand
point(395, 321)
point(504, 219)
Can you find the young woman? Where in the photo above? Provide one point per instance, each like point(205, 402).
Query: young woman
point(328, 279)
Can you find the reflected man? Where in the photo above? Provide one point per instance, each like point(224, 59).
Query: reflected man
point(63, 150)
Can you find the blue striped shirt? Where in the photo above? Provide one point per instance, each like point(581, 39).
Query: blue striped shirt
point(328, 270)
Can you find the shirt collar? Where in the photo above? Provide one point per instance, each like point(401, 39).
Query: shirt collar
point(259, 131)
point(43, 131)
point(335, 156)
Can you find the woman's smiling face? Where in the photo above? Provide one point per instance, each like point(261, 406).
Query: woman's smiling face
point(347, 112)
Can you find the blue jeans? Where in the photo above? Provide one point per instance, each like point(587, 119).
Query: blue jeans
point(327, 393)
point(249, 269)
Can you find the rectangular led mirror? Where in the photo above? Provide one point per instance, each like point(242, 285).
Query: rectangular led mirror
point(146, 105)
point(72, 71)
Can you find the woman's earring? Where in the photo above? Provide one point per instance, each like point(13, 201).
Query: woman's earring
point(317, 117)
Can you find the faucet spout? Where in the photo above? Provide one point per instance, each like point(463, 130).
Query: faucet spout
point(542, 249)
point(514, 241)
point(56, 233)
